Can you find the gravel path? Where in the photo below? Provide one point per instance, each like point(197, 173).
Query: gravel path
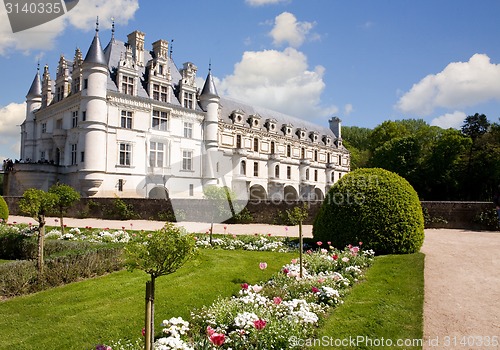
point(462, 278)
point(462, 289)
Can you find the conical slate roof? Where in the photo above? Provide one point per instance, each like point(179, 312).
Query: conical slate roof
point(36, 86)
point(95, 54)
point(209, 89)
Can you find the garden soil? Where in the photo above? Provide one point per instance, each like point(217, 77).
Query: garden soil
point(462, 277)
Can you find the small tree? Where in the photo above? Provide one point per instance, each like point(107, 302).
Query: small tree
point(4, 210)
point(296, 216)
point(158, 253)
point(37, 203)
point(221, 200)
point(66, 197)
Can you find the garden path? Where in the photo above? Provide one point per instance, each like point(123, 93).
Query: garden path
point(462, 289)
point(462, 277)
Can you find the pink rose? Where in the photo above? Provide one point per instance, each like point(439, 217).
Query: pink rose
point(259, 324)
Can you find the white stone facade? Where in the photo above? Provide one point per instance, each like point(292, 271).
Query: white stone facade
point(126, 122)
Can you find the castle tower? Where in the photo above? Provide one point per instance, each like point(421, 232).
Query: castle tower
point(336, 128)
point(94, 107)
point(33, 103)
point(209, 101)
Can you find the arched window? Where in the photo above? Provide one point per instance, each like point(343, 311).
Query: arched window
point(303, 153)
point(288, 150)
point(315, 156)
point(307, 174)
point(243, 167)
point(272, 147)
point(277, 171)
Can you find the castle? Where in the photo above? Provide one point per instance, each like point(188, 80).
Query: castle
point(126, 122)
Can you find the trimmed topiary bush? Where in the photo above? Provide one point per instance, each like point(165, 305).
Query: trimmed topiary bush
point(4, 209)
point(373, 206)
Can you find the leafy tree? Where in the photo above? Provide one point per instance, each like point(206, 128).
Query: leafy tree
point(385, 132)
point(66, 197)
point(475, 126)
point(4, 210)
point(159, 253)
point(356, 136)
point(297, 215)
point(37, 204)
point(222, 202)
point(444, 166)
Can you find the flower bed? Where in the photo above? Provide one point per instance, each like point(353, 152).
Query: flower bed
point(271, 315)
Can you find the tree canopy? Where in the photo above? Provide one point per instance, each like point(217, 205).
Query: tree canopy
point(441, 164)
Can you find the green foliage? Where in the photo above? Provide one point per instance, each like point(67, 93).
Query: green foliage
point(37, 203)
point(489, 219)
point(243, 217)
point(161, 252)
point(121, 210)
point(373, 206)
point(475, 126)
point(4, 210)
point(20, 277)
point(66, 196)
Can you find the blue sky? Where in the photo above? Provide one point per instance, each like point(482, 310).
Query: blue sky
point(365, 61)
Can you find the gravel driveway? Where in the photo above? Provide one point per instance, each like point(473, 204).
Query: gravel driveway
point(462, 289)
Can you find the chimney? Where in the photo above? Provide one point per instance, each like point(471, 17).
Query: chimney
point(335, 127)
point(136, 43)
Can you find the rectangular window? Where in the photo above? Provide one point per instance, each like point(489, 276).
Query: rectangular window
point(187, 160)
point(156, 154)
point(160, 120)
point(243, 169)
point(73, 154)
point(85, 83)
point(44, 128)
point(82, 157)
point(126, 120)
point(188, 130)
point(59, 124)
point(76, 85)
point(42, 155)
point(127, 85)
point(120, 185)
point(156, 92)
point(256, 169)
point(84, 116)
point(315, 175)
point(191, 190)
point(288, 172)
point(74, 119)
point(188, 100)
point(256, 145)
point(125, 154)
point(163, 94)
point(238, 141)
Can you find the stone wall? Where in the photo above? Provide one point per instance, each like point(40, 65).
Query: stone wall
point(457, 215)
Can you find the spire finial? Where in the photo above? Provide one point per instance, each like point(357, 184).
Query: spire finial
point(97, 25)
point(171, 47)
point(210, 65)
point(112, 28)
point(38, 66)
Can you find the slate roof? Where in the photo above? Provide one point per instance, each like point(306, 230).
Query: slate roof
point(36, 86)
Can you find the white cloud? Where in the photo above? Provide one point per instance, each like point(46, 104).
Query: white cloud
point(287, 30)
point(82, 17)
point(11, 116)
point(264, 2)
point(279, 80)
point(348, 108)
point(459, 85)
point(450, 120)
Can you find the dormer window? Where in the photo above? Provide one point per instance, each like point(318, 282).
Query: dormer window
point(314, 136)
point(188, 100)
point(271, 125)
point(327, 140)
point(127, 85)
point(237, 116)
point(301, 133)
point(254, 121)
point(287, 129)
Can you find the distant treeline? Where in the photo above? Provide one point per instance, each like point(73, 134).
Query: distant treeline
point(441, 164)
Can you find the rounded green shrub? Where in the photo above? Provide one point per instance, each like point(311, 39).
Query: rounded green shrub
point(4, 209)
point(373, 206)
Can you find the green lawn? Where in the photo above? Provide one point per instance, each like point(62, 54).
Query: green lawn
point(388, 304)
point(80, 315)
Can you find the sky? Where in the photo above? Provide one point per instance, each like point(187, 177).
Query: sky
point(365, 61)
